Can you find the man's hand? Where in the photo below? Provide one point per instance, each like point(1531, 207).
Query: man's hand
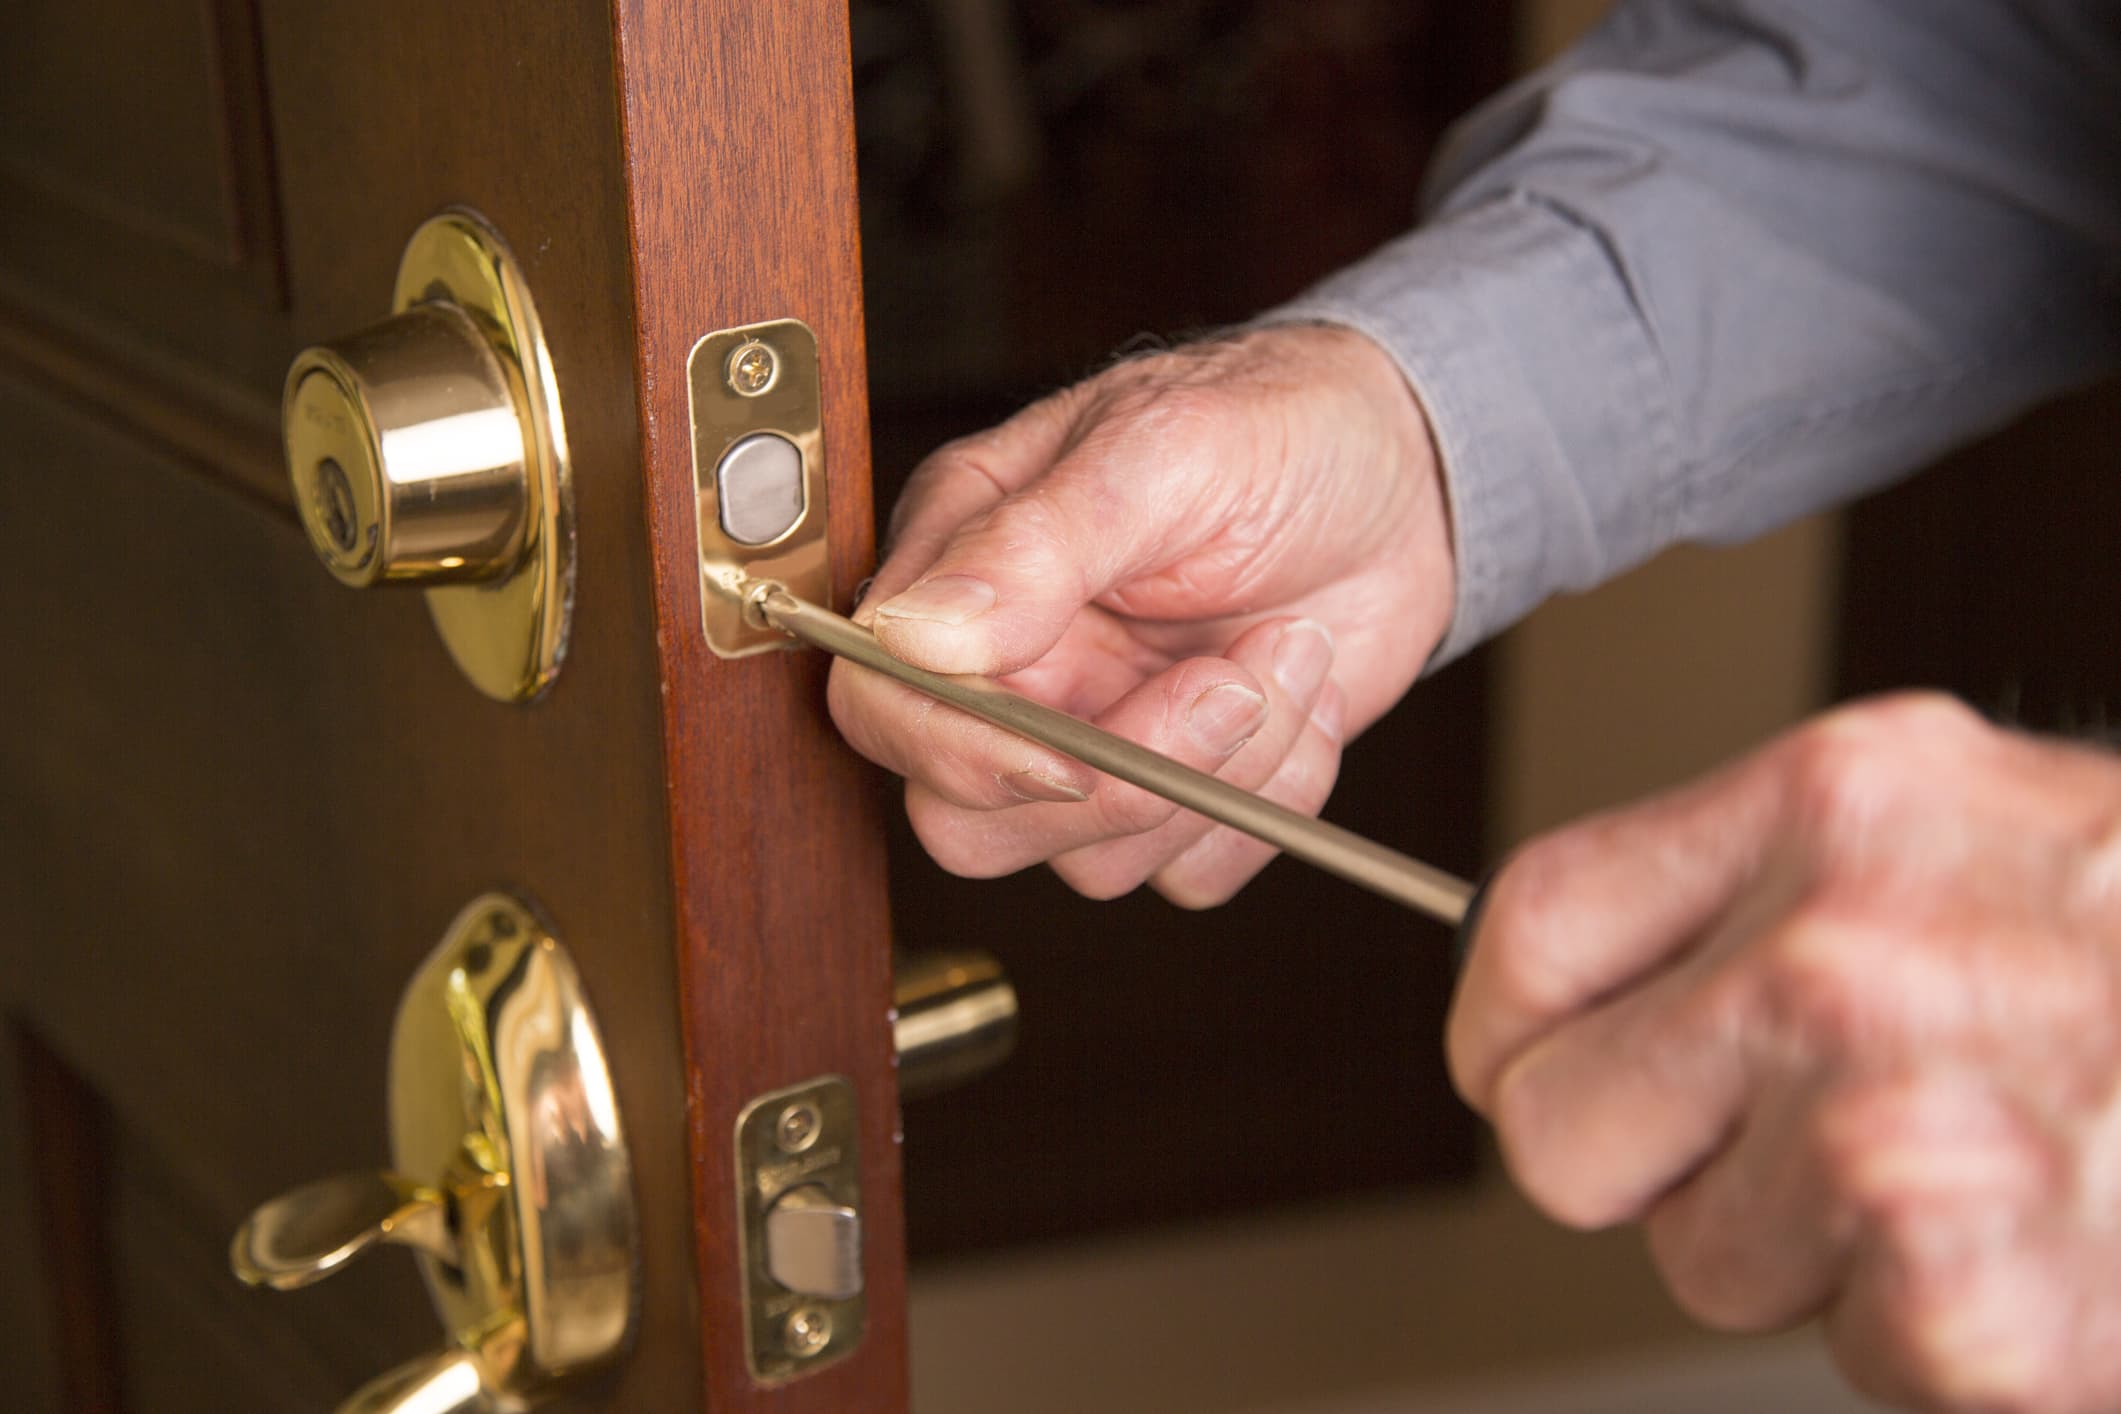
point(1235, 553)
point(1842, 1024)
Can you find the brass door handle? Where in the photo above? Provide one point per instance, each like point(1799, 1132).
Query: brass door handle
point(510, 1178)
point(305, 1235)
point(429, 450)
point(953, 1018)
point(449, 1381)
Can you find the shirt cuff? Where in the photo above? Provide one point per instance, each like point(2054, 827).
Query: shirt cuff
point(1543, 390)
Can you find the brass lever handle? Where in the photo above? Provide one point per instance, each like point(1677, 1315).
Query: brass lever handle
point(1421, 887)
point(305, 1235)
point(525, 1230)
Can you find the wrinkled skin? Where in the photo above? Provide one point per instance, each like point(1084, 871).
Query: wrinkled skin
point(1839, 1025)
point(1234, 552)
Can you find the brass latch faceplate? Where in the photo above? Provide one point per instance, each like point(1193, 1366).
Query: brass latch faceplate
point(799, 1205)
point(758, 475)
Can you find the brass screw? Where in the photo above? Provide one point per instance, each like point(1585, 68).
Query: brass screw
point(752, 368)
point(807, 1331)
point(797, 1128)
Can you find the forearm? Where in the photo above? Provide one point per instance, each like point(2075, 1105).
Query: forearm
point(1724, 264)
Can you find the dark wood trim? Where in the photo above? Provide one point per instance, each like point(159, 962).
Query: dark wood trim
point(253, 182)
point(71, 1176)
point(739, 150)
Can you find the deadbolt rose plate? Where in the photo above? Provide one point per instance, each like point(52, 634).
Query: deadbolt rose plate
point(429, 450)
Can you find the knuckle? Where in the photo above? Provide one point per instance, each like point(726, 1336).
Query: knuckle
point(1546, 1169)
point(1848, 767)
point(1699, 1270)
point(1029, 533)
point(1524, 925)
point(1096, 874)
point(942, 831)
point(1195, 895)
point(862, 716)
point(969, 457)
point(1837, 774)
point(1126, 810)
point(1809, 986)
point(1921, 711)
point(1213, 872)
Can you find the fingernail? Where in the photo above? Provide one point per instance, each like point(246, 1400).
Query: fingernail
point(1302, 657)
point(953, 599)
point(1224, 717)
point(1038, 786)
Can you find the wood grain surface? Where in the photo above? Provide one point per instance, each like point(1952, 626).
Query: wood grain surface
point(739, 143)
point(238, 802)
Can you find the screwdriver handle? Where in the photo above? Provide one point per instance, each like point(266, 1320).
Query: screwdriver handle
point(1421, 887)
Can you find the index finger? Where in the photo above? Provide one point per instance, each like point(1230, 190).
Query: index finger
point(1584, 912)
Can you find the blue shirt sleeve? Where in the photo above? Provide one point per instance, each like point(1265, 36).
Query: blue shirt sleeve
point(1729, 261)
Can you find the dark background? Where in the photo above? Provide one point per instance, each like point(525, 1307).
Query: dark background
point(1142, 170)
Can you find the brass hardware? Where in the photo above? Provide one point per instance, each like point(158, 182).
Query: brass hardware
point(449, 1381)
point(953, 1018)
point(1421, 887)
point(799, 1203)
point(752, 368)
point(306, 1235)
point(758, 511)
point(429, 449)
point(524, 1218)
point(797, 1128)
point(806, 1332)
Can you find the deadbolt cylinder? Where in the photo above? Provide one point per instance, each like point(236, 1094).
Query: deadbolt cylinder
point(407, 451)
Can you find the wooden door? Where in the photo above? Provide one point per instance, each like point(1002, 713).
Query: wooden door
point(239, 803)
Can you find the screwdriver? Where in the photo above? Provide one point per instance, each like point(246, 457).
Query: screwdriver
point(1405, 880)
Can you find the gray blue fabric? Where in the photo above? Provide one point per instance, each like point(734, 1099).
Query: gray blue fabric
point(1729, 261)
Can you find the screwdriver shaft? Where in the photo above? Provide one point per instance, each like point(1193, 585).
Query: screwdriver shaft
point(1421, 887)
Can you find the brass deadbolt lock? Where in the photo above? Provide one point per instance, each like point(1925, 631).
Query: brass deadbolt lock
point(429, 450)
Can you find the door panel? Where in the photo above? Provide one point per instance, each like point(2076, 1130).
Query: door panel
point(137, 187)
point(239, 803)
point(253, 799)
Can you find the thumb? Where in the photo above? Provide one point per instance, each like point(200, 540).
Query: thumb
point(1006, 586)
